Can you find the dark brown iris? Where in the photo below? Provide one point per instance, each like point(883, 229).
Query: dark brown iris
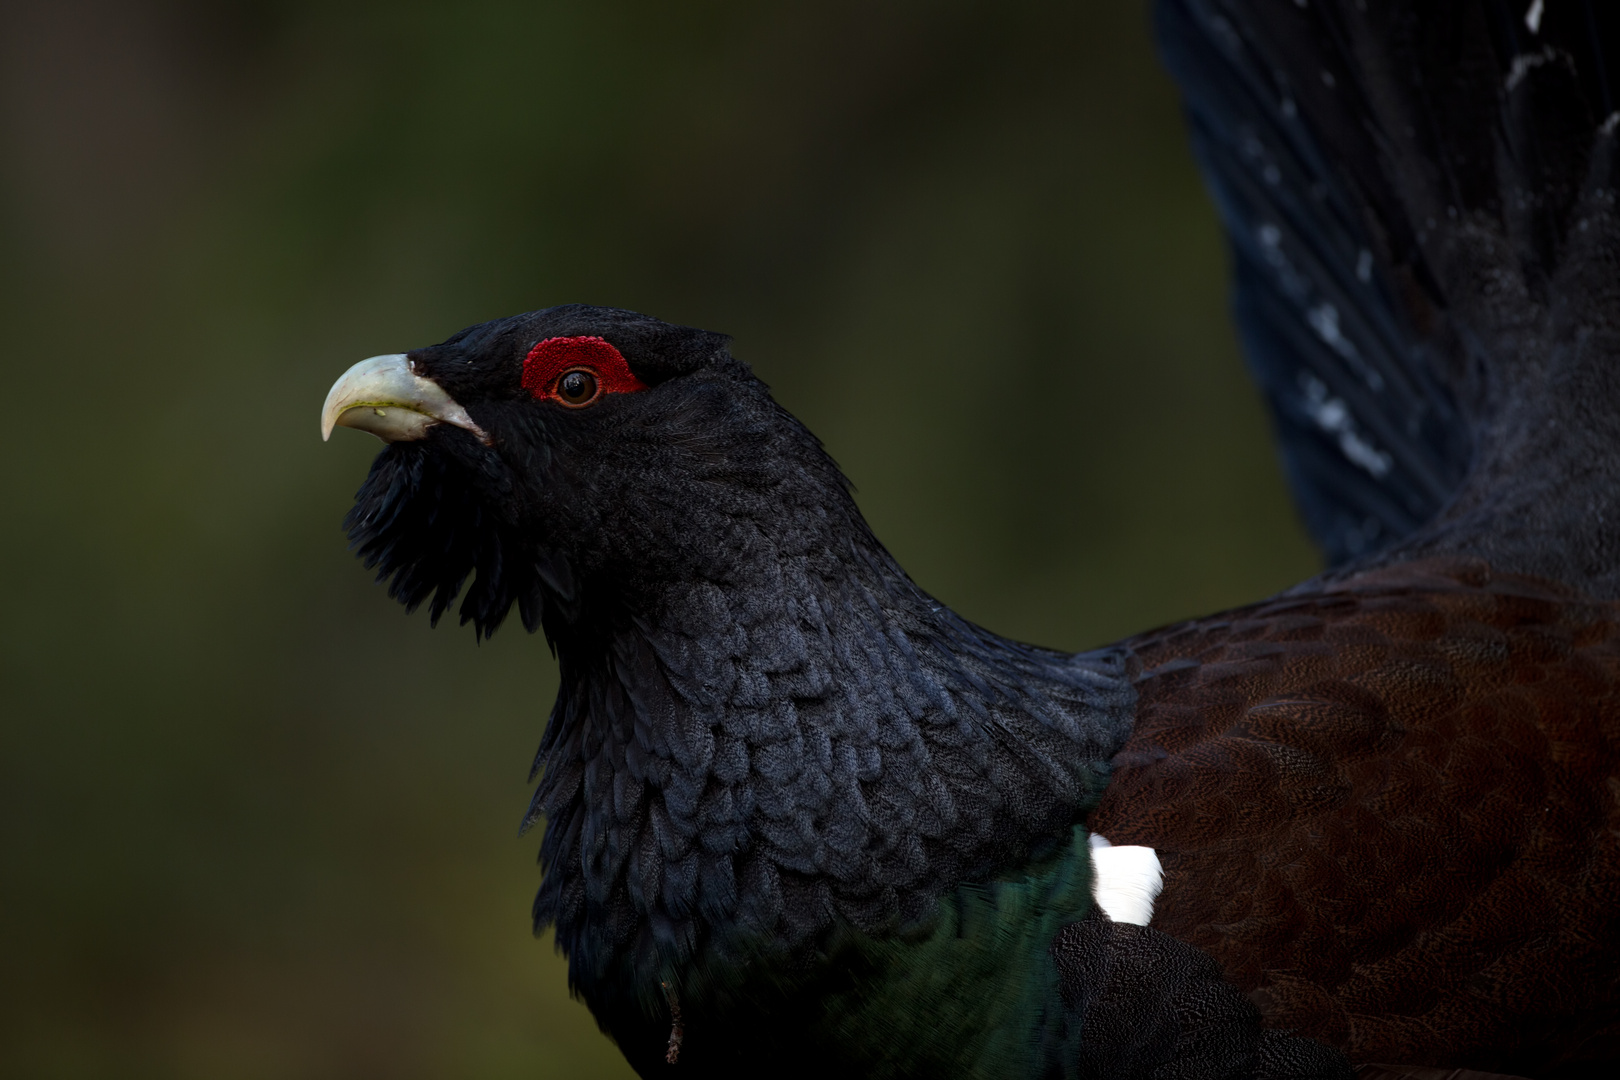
point(577, 387)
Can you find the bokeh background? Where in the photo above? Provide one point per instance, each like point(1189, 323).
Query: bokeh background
point(255, 821)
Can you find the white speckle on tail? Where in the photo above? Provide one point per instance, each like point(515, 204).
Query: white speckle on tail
point(1525, 63)
point(1324, 319)
point(1126, 880)
point(1332, 415)
point(1532, 18)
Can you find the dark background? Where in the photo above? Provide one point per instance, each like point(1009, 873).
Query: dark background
point(256, 822)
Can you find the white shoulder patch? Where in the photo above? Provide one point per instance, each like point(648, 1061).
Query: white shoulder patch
point(1126, 880)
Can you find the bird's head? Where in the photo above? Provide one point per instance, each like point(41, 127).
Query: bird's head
point(573, 461)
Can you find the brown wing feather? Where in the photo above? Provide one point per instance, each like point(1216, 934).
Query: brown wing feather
point(1389, 809)
point(1398, 1072)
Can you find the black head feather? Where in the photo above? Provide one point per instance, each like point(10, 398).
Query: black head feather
point(519, 514)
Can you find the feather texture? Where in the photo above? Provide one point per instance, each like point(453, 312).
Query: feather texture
point(1389, 809)
point(1420, 199)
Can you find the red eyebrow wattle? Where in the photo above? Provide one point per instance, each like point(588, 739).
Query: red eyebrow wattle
point(553, 356)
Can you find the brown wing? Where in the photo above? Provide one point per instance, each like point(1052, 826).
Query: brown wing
point(1397, 1072)
point(1389, 809)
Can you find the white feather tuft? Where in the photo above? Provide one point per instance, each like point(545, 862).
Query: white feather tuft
point(1126, 880)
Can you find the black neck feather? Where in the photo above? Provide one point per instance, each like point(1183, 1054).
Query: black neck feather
point(823, 746)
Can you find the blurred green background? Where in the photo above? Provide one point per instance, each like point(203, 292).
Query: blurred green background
point(256, 822)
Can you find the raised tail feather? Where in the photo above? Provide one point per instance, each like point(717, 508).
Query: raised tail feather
point(1421, 209)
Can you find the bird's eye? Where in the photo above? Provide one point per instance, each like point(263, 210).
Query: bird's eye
point(577, 387)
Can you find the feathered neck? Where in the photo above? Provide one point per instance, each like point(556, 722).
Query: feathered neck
point(812, 744)
point(765, 732)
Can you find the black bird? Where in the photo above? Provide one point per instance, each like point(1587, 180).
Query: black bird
point(801, 817)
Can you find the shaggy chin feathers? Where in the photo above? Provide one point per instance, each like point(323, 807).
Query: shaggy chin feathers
point(420, 523)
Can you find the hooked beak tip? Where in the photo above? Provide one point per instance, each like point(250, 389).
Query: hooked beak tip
point(384, 396)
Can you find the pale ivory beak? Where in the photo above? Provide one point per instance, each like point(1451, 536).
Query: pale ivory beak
point(384, 396)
